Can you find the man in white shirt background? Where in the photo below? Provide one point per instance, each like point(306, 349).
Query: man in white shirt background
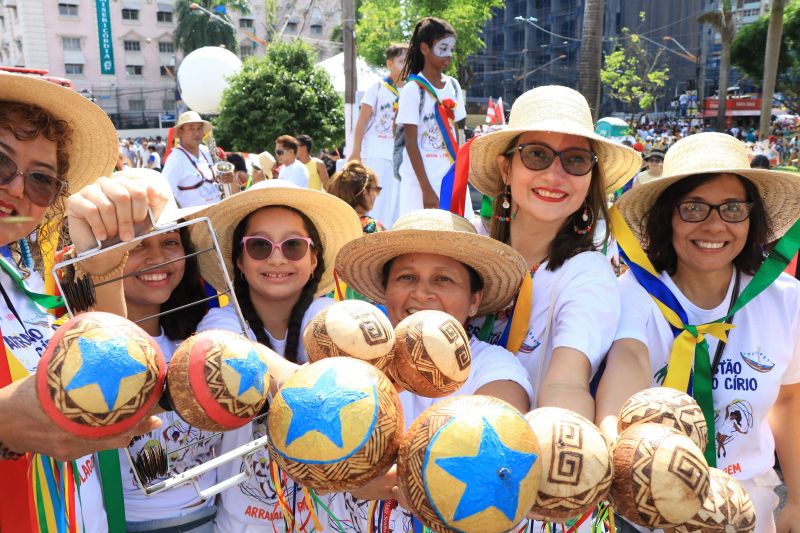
point(286, 154)
point(189, 167)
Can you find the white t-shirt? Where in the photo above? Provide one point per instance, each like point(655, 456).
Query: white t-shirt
point(26, 344)
point(252, 506)
point(489, 363)
point(762, 354)
point(429, 139)
point(182, 169)
point(586, 310)
point(378, 141)
point(297, 173)
point(186, 447)
point(154, 161)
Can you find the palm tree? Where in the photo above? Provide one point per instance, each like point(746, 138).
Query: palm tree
point(196, 29)
point(724, 22)
point(771, 57)
point(591, 45)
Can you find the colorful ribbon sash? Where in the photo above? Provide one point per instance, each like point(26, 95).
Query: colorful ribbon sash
point(392, 88)
point(444, 116)
point(690, 347)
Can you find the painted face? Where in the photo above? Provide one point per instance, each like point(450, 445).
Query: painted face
point(36, 155)
point(713, 244)
point(444, 47)
point(277, 278)
point(155, 286)
point(418, 282)
point(550, 195)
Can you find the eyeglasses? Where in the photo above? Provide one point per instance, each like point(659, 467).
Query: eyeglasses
point(280, 152)
point(40, 188)
point(376, 188)
point(261, 248)
point(696, 211)
point(537, 156)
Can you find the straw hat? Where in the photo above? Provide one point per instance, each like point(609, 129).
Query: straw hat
point(335, 221)
point(190, 117)
point(554, 109)
point(93, 145)
point(716, 153)
point(433, 231)
point(266, 161)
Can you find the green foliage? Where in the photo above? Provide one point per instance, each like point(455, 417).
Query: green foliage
point(634, 76)
point(747, 53)
point(382, 22)
point(196, 29)
point(283, 92)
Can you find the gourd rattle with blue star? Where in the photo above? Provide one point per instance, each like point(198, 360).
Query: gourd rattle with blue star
point(101, 374)
point(427, 353)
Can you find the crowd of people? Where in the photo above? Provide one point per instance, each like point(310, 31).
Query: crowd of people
point(694, 228)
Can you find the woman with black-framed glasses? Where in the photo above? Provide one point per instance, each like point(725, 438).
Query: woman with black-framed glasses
point(704, 225)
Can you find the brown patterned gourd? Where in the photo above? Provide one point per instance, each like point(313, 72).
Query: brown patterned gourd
point(666, 406)
point(335, 424)
point(351, 328)
point(577, 468)
point(727, 509)
point(661, 477)
point(218, 380)
point(432, 356)
point(99, 375)
point(469, 463)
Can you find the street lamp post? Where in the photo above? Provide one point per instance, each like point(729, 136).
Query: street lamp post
point(694, 59)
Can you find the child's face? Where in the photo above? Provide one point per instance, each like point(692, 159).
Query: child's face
point(396, 64)
point(440, 53)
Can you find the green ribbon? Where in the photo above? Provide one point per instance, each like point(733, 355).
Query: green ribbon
point(47, 301)
point(111, 482)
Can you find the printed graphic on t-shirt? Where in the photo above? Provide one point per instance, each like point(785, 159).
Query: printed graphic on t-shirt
point(757, 361)
point(736, 419)
point(432, 141)
point(384, 120)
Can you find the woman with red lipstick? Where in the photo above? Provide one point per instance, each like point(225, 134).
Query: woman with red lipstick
point(279, 242)
point(54, 144)
point(704, 224)
point(550, 176)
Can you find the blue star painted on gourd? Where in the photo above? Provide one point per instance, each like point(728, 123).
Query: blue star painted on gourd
point(492, 477)
point(319, 408)
point(105, 363)
point(251, 372)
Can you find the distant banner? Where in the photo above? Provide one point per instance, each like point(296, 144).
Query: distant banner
point(104, 34)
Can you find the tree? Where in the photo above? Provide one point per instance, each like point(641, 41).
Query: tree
point(770, 67)
point(749, 50)
point(724, 23)
point(283, 92)
point(632, 75)
point(382, 22)
point(590, 62)
point(196, 29)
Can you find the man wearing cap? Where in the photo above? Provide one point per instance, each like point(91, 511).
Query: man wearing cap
point(189, 169)
point(655, 166)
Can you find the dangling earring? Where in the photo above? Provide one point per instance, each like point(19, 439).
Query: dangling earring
point(505, 215)
point(586, 220)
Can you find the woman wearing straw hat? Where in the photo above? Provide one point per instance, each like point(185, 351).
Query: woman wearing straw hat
point(53, 143)
point(550, 175)
point(704, 223)
point(433, 259)
point(279, 242)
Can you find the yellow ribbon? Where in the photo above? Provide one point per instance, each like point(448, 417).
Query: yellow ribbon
point(521, 316)
point(683, 349)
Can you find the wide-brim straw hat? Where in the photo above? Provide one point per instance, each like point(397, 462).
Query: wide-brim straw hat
point(334, 220)
point(716, 153)
point(555, 109)
point(266, 161)
point(433, 231)
point(190, 117)
point(93, 146)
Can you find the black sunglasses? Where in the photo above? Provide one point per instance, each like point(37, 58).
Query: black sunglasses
point(696, 211)
point(279, 152)
point(41, 188)
point(538, 156)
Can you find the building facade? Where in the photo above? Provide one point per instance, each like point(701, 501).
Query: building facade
point(122, 54)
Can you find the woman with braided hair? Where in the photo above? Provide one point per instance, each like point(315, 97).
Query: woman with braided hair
point(357, 185)
point(279, 242)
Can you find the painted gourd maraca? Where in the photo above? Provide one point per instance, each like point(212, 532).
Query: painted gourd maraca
point(727, 509)
point(100, 375)
point(335, 424)
point(666, 406)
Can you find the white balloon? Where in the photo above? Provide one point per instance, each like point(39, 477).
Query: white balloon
point(203, 77)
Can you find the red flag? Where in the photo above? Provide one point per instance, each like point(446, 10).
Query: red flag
point(170, 144)
point(491, 118)
point(499, 112)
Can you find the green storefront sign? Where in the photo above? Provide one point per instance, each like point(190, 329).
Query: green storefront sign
point(104, 34)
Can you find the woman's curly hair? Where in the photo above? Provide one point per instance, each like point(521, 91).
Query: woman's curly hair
point(351, 184)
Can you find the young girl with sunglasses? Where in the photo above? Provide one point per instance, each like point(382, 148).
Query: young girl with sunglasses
point(429, 101)
point(279, 242)
point(550, 175)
